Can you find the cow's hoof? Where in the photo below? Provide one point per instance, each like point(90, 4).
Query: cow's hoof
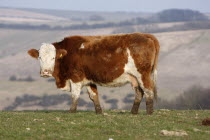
point(98, 109)
point(134, 112)
point(149, 112)
point(149, 106)
point(72, 111)
point(98, 112)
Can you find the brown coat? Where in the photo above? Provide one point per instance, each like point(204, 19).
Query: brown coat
point(103, 57)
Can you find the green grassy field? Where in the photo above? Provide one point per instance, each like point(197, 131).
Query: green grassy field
point(115, 124)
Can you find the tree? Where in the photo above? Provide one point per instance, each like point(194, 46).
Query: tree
point(96, 18)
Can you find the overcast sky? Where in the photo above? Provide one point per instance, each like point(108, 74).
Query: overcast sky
point(110, 5)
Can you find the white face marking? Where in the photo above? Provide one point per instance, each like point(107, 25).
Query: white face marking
point(47, 54)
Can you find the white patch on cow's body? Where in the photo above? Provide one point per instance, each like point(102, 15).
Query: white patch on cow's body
point(91, 92)
point(82, 46)
point(67, 86)
point(130, 68)
point(47, 54)
point(130, 75)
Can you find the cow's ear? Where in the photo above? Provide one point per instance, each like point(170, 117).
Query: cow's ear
point(61, 53)
point(33, 53)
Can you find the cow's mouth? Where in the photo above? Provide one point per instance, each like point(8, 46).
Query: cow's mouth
point(46, 76)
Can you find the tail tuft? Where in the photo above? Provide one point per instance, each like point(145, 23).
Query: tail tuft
point(155, 83)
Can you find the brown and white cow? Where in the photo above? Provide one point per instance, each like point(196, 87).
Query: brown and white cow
point(111, 61)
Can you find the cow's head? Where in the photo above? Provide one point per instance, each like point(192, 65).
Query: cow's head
point(47, 55)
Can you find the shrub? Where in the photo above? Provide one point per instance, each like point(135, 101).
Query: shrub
point(196, 97)
point(13, 78)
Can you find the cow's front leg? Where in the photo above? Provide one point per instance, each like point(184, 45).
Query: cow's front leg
point(75, 93)
point(93, 94)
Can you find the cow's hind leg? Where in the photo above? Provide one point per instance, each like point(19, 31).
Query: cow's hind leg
point(149, 101)
point(149, 92)
point(138, 97)
point(75, 93)
point(136, 84)
point(145, 87)
point(93, 94)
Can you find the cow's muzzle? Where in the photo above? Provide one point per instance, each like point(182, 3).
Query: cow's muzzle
point(46, 73)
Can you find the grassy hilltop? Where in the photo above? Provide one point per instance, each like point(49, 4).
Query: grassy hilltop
point(115, 124)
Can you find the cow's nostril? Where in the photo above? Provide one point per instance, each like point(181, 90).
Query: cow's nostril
point(45, 72)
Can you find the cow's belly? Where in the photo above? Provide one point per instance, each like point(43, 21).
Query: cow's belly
point(120, 81)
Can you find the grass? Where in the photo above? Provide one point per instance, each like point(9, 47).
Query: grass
point(116, 124)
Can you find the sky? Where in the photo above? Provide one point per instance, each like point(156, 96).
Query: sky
point(110, 5)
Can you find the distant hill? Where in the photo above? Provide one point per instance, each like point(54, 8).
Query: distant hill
point(170, 15)
point(39, 19)
point(87, 15)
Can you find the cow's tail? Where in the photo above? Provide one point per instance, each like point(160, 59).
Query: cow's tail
point(154, 75)
point(154, 69)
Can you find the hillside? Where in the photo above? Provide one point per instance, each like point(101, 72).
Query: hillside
point(114, 124)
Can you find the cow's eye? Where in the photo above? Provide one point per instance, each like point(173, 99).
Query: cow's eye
point(39, 57)
point(53, 58)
